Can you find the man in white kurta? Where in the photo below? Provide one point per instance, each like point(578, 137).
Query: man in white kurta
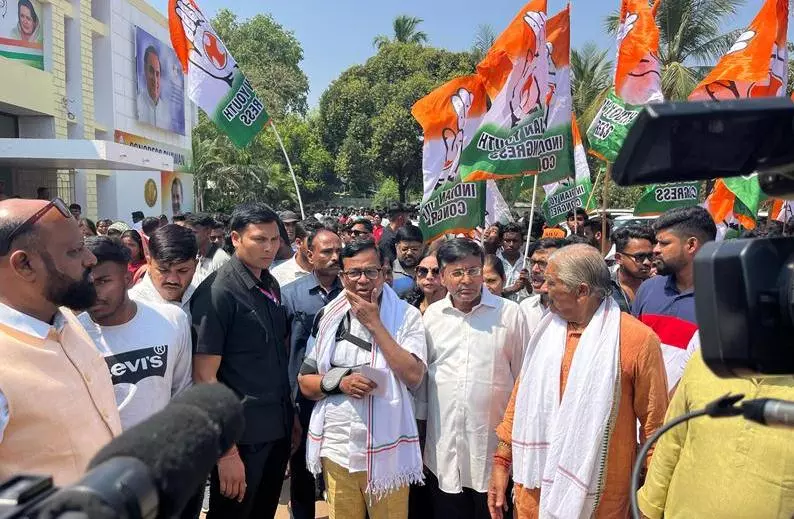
point(475, 343)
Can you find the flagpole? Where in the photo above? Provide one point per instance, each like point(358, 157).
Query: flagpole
point(291, 171)
point(604, 204)
point(593, 189)
point(531, 220)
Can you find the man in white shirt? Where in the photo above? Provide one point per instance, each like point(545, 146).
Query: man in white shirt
point(512, 256)
point(536, 305)
point(298, 265)
point(146, 345)
point(152, 108)
point(366, 350)
point(211, 257)
point(475, 344)
point(170, 268)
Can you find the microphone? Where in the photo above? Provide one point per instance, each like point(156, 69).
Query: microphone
point(769, 411)
point(156, 467)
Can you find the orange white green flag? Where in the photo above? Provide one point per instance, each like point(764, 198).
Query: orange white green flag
point(512, 140)
point(215, 82)
point(755, 66)
point(638, 79)
point(450, 116)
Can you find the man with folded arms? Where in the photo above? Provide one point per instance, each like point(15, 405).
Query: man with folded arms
point(362, 434)
point(590, 374)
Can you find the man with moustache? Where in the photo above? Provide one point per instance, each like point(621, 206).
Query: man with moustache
point(634, 258)
point(410, 249)
point(303, 299)
point(536, 305)
point(153, 336)
point(475, 343)
point(170, 267)
point(240, 331)
point(55, 389)
point(367, 449)
point(666, 302)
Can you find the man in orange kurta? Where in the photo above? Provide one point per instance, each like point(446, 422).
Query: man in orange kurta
point(643, 397)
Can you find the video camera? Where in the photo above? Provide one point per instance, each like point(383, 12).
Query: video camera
point(744, 289)
point(153, 470)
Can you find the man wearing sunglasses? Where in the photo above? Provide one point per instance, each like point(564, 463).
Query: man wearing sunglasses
point(634, 257)
point(57, 406)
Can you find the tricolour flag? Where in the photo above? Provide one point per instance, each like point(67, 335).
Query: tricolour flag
point(215, 82)
point(449, 116)
point(513, 140)
point(638, 79)
point(756, 66)
point(659, 198)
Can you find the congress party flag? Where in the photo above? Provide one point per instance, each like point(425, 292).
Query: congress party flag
point(638, 79)
point(449, 116)
point(755, 66)
point(513, 141)
point(573, 192)
point(456, 207)
point(658, 198)
point(215, 81)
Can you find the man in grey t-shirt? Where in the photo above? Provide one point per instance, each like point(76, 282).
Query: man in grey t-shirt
point(147, 346)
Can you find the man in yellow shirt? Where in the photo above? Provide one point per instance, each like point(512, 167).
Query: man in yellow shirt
point(726, 467)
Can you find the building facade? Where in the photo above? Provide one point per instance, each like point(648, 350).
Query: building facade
point(96, 70)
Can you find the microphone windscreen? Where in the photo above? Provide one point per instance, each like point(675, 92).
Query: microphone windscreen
point(223, 407)
point(182, 443)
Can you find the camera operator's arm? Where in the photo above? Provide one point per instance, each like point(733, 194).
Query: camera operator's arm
point(653, 495)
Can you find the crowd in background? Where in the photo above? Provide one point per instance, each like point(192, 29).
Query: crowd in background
point(470, 377)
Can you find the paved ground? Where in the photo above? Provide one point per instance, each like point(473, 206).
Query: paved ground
point(283, 509)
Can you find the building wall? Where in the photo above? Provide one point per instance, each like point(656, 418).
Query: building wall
point(86, 91)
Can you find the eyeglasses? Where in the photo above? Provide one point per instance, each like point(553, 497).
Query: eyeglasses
point(356, 233)
point(28, 224)
point(641, 257)
point(471, 272)
point(355, 274)
point(422, 272)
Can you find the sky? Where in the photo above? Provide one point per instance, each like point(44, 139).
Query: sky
point(336, 34)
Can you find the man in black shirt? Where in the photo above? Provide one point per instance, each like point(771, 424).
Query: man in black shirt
point(398, 217)
point(241, 329)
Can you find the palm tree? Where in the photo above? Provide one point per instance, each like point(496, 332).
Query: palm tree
point(591, 79)
point(484, 39)
point(691, 40)
point(405, 31)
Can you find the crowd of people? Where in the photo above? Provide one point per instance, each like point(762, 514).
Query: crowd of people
point(392, 377)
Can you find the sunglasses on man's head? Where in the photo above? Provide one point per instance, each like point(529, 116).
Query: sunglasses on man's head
point(28, 224)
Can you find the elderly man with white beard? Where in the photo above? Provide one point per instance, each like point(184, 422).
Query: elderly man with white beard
point(590, 373)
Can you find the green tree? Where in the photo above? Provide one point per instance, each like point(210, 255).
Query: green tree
point(405, 31)
point(387, 193)
point(591, 79)
point(365, 116)
point(691, 40)
point(270, 56)
point(484, 39)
